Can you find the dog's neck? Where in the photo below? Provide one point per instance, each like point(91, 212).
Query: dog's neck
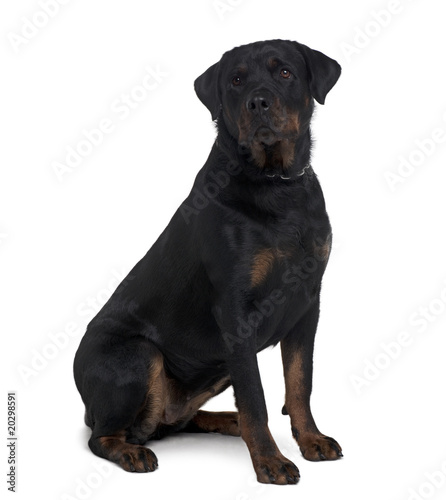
point(299, 167)
point(288, 177)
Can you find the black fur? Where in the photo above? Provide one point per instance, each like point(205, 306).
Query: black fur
point(237, 269)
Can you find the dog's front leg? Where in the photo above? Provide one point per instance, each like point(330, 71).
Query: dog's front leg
point(270, 465)
point(297, 355)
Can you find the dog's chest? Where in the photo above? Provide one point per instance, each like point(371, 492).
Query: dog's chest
point(284, 266)
point(298, 246)
point(285, 278)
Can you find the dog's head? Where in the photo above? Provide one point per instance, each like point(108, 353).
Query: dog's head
point(262, 95)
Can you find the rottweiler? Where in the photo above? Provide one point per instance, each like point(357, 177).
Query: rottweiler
point(237, 269)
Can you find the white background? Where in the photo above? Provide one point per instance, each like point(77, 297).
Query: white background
point(62, 243)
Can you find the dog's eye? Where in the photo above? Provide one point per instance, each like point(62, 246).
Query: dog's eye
point(285, 73)
point(236, 81)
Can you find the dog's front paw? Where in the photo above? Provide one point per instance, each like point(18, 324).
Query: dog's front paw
point(138, 459)
point(317, 447)
point(276, 469)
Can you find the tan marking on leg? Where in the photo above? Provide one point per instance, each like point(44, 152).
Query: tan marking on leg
point(314, 445)
point(223, 422)
point(156, 396)
point(181, 406)
point(295, 390)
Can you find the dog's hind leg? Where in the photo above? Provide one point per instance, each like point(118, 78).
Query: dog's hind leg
point(119, 383)
point(223, 422)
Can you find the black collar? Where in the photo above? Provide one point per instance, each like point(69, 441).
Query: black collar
point(286, 178)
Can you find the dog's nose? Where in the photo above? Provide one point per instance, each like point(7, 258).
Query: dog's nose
point(258, 104)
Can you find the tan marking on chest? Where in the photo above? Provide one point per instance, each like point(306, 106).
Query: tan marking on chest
point(262, 264)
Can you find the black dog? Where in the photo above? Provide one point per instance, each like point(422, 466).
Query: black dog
point(237, 269)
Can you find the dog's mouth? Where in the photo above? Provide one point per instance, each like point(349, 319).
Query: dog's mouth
point(262, 137)
point(268, 150)
point(265, 137)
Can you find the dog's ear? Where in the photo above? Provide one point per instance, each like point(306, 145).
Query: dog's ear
point(323, 72)
point(206, 87)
